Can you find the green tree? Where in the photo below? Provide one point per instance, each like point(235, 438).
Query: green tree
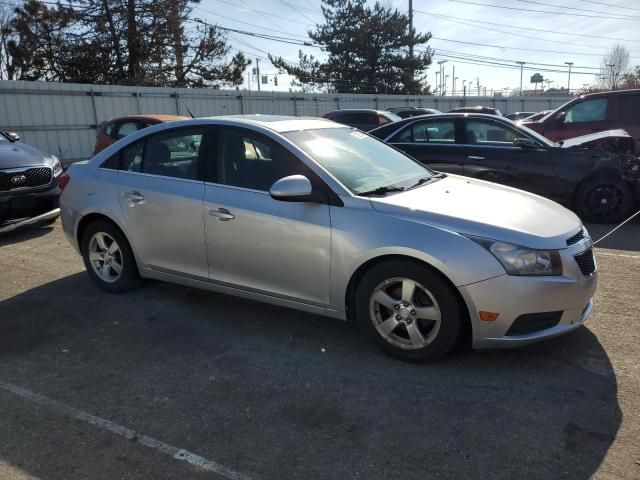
point(367, 51)
point(128, 42)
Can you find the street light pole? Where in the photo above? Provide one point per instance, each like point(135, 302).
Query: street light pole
point(444, 91)
point(521, 69)
point(569, 79)
point(613, 83)
point(441, 63)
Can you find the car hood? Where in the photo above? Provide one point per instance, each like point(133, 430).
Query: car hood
point(593, 137)
point(16, 155)
point(484, 209)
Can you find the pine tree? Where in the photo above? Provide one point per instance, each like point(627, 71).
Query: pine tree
point(367, 51)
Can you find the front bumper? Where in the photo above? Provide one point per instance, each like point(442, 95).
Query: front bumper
point(513, 296)
point(29, 201)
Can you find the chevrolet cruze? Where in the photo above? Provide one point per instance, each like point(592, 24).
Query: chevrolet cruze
point(313, 215)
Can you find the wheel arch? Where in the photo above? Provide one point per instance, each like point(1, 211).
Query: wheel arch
point(358, 274)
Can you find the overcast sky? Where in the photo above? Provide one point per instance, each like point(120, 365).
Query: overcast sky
point(580, 31)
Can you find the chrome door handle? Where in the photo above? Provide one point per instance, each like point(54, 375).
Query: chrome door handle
point(134, 197)
point(475, 157)
point(222, 214)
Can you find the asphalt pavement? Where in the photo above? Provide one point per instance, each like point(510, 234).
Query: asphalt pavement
point(169, 382)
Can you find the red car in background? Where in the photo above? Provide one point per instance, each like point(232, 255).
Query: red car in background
point(596, 112)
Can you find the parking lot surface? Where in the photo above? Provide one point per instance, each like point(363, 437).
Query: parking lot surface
point(172, 382)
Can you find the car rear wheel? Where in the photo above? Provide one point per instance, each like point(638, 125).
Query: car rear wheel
point(108, 257)
point(604, 200)
point(408, 311)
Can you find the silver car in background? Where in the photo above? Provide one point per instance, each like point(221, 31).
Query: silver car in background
point(320, 217)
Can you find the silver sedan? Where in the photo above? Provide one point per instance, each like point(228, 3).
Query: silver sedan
point(316, 216)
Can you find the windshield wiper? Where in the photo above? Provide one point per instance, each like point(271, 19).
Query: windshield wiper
point(423, 180)
point(382, 190)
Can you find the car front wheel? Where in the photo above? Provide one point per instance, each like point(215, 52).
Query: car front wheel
point(108, 257)
point(408, 310)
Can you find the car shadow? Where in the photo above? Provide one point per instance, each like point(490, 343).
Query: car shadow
point(24, 233)
point(277, 393)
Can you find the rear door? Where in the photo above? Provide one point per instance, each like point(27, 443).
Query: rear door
point(433, 143)
point(493, 156)
point(160, 190)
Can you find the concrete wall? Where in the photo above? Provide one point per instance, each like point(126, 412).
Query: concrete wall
point(61, 118)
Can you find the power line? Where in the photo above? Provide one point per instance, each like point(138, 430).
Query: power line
point(452, 18)
point(612, 5)
point(541, 11)
point(567, 8)
point(515, 48)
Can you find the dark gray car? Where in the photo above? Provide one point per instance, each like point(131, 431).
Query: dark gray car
point(28, 179)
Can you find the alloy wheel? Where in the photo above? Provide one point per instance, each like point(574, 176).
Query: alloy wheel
point(405, 313)
point(105, 257)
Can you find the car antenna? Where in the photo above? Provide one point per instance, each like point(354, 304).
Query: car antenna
point(190, 112)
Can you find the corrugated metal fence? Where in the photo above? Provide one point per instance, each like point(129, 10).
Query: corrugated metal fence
point(61, 118)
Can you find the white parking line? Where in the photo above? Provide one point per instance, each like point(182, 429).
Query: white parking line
point(617, 255)
point(175, 452)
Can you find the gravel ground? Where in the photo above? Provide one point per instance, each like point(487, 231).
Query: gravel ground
point(171, 382)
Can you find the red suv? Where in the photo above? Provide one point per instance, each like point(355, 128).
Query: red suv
point(591, 113)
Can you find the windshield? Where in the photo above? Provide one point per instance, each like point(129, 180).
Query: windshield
point(360, 162)
point(392, 116)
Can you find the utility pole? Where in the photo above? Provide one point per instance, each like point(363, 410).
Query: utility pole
point(436, 89)
point(613, 81)
point(569, 79)
point(258, 72)
point(453, 77)
point(521, 69)
point(478, 84)
point(445, 85)
point(441, 63)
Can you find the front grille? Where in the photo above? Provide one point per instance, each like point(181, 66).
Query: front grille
point(534, 322)
point(33, 177)
point(576, 238)
point(586, 262)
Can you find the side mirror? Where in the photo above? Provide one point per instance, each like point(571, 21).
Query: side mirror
point(560, 117)
point(13, 136)
point(295, 188)
point(524, 142)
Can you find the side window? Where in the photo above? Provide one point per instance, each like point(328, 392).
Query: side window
point(250, 160)
point(108, 129)
point(369, 118)
point(382, 120)
point(482, 132)
point(435, 131)
point(112, 163)
point(174, 153)
point(628, 108)
point(126, 128)
point(587, 111)
point(131, 157)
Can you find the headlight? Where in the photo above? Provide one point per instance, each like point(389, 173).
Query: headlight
point(518, 260)
point(57, 166)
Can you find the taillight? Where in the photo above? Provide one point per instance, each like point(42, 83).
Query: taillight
point(63, 181)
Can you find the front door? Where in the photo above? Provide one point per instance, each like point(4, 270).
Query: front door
point(160, 192)
point(255, 242)
point(493, 156)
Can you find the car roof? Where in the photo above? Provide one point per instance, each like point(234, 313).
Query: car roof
point(356, 110)
point(278, 123)
point(610, 92)
point(153, 116)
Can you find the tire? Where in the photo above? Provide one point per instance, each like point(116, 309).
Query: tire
point(433, 310)
point(119, 272)
point(605, 199)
